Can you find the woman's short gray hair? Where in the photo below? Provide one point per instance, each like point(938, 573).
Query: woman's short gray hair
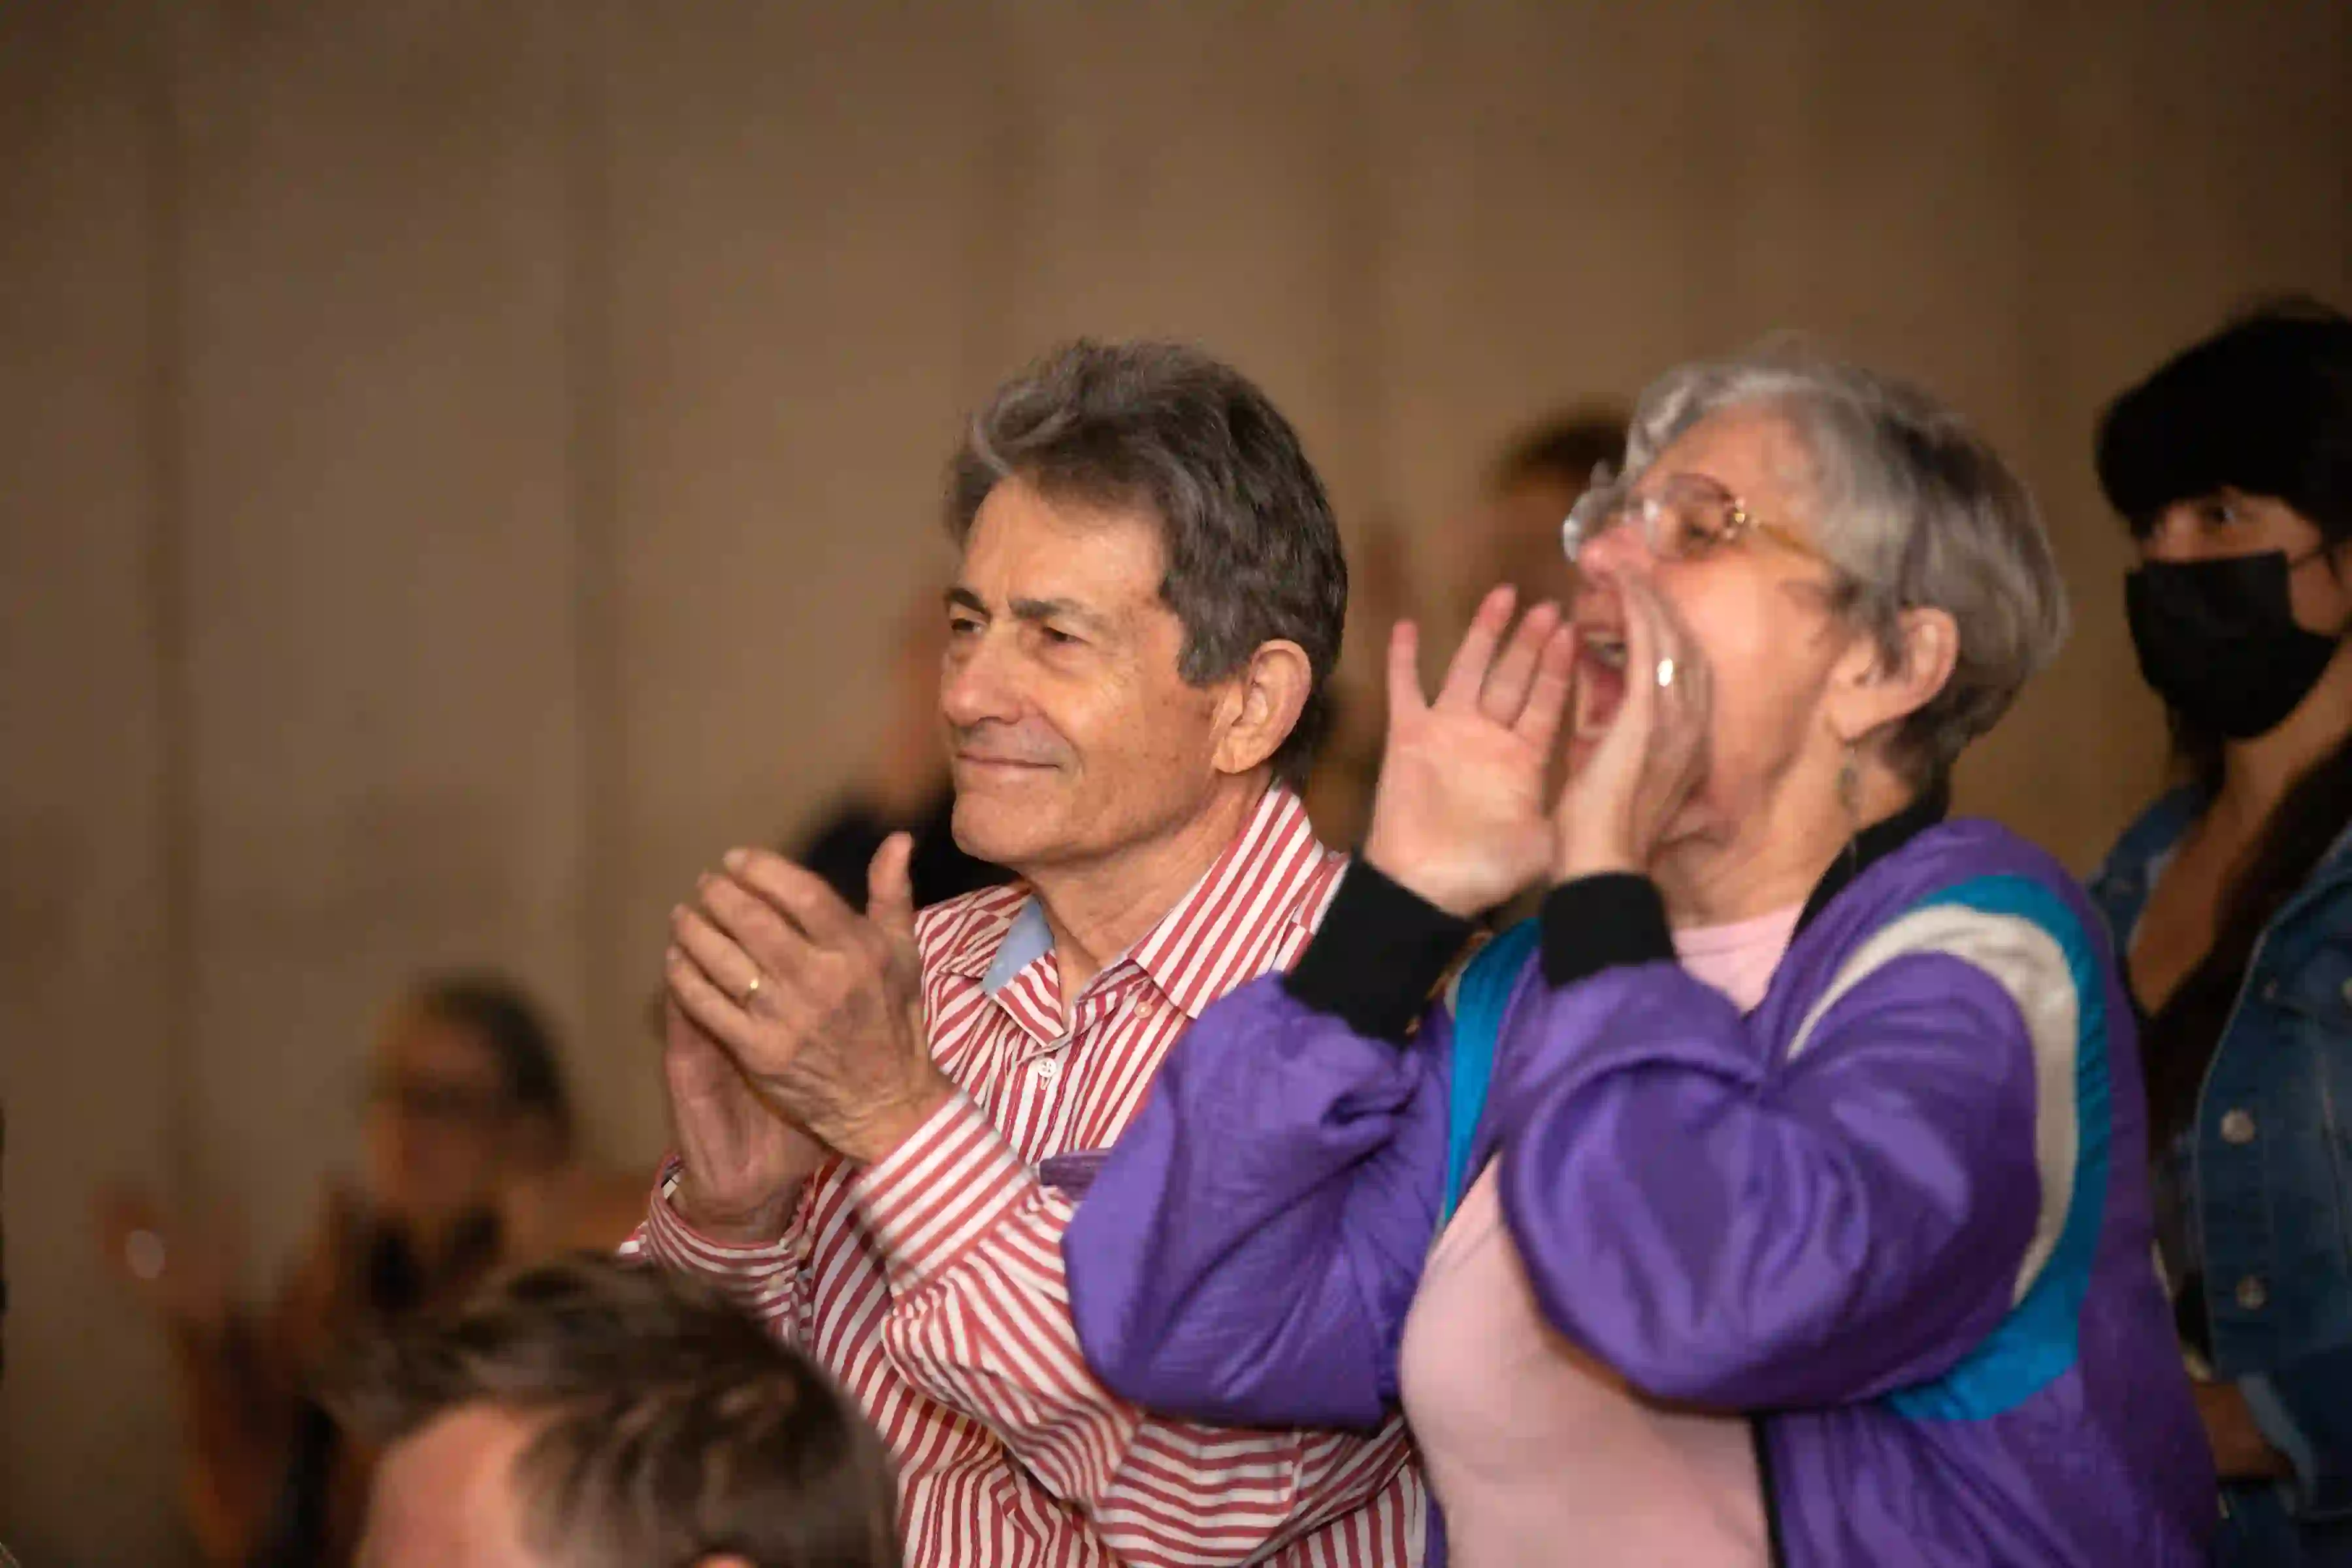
point(1914, 509)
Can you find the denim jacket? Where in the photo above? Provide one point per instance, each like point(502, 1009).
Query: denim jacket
point(2271, 1174)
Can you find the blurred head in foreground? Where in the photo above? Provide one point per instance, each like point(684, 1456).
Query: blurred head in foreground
point(590, 1414)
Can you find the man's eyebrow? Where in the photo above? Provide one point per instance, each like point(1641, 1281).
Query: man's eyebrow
point(1061, 610)
point(963, 599)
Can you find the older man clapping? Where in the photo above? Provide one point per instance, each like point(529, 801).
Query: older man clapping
point(883, 1120)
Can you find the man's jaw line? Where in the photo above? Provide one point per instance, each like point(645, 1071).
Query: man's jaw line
point(1104, 904)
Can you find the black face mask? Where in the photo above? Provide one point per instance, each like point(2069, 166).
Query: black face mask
point(2218, 640)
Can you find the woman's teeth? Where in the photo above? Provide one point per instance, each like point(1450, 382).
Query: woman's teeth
point(1608, 651)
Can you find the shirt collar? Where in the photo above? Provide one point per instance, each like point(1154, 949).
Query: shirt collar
point(1027, 939)
point(1229, 928)
point(1226, 930)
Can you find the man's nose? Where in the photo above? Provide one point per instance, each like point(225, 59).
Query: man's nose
point(978, 682)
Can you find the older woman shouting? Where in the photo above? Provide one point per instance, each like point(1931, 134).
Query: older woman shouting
point(1776, 1194)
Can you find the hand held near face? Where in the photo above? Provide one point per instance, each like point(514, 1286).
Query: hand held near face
point(1459, 813)
point(1623, 796)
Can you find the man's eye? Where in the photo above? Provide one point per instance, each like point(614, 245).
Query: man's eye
point(962, 625)
point(1058, 637)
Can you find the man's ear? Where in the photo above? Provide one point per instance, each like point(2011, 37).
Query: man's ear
point(1869, 692)
point(1263, 702)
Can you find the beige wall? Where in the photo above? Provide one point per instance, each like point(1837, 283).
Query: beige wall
point(463, 463)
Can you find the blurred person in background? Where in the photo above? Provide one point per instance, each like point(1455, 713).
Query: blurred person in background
point(1509, 535)
point(467, 1161)
point(1775, 1195)
point(2232, 898)
point(1513, 536)
point(589, 1414)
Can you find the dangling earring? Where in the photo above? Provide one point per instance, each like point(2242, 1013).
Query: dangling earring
point(1849, 783)
point(1849, 789)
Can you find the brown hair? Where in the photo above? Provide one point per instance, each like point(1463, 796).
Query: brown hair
point(502, 1015)
point(1566, 447)
point(669, 1425)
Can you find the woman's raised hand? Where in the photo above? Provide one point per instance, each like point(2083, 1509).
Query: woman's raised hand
point(1459, 816)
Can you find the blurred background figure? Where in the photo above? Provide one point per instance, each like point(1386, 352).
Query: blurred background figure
point(2230, 897)
point(466, 1162)
point(1510, 533)
point(585, 1414)
point(904, 785)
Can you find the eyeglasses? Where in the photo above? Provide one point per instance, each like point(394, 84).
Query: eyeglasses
point(1688, 517)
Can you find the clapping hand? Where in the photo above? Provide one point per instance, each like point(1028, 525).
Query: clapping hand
point(817, 1006)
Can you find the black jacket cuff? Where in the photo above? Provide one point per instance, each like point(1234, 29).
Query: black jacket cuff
point(1381, 951)
point(1597, 923)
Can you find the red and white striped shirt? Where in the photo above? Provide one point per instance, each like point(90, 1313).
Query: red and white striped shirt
point(932, 1286)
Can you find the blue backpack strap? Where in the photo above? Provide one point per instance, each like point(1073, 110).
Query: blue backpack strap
point(1481, 997)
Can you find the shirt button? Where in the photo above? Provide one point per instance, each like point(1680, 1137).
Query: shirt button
point(2252, 1294)
point(2238, 1126)
point(1047, 1067)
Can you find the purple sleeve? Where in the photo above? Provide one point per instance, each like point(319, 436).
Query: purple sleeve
point(1849, 1224)
point(1247, 1252)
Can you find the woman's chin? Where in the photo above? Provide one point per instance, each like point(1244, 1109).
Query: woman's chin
point(1696, 827)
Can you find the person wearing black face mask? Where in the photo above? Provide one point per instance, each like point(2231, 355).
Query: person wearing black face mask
point(2230, 899)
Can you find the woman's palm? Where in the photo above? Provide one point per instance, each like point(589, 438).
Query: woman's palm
point(1461, 816)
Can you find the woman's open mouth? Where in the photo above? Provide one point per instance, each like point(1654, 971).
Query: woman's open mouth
point(1600, 678)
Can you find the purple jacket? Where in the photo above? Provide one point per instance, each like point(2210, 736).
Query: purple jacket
point(1898, 1213)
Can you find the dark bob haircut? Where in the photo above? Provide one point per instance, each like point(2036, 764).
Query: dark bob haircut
point(2264, 407)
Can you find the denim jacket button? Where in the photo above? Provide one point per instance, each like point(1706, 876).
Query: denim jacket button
point(2252, 1294)
point(2238, 1126)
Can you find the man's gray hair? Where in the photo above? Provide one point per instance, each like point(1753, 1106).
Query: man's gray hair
point(1913, 507)
point(1251, 548)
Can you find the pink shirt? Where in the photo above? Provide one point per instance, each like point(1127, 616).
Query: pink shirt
point(1539, 1453)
